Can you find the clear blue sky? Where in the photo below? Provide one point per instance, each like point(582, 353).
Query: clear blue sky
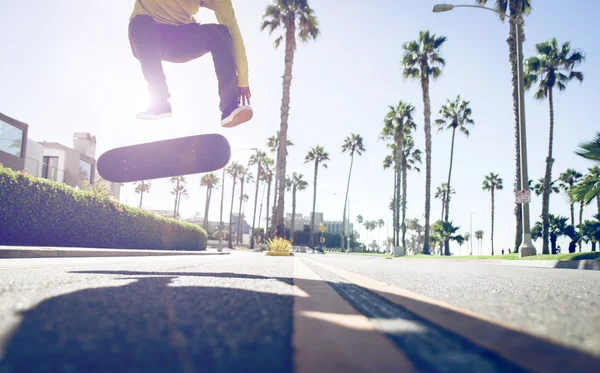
point(67, 67)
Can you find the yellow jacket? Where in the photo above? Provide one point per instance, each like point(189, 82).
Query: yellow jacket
point(180, 12)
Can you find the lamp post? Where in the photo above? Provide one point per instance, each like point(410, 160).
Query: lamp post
point(526, 248)
point(220, 247)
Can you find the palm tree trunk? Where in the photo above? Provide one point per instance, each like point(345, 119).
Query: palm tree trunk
point(272, 232)
point(443, 204)
point(572, 206)
point(142, 193)
point(208, 193)
point(394, 210)
point(449, 176)
point(239, 222)
point(397, 200)
point(404, 188)
point(427, 127)
point(268, 203)
point(292, 229)
point(447, 242)
point(255, 203)
point(547, 179)
point(312, 218)
point(179, 204)
point(176, 199)
point(512, 47)
point(231, 215)
point(290, 47)
point(580, 221)
point(345, 201)
point(492, 221)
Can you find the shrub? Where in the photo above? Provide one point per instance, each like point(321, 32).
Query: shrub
point(279, 245)
point(40, 212)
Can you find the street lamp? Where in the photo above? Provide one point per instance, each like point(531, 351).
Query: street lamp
point(220, 247)
point(526, 248)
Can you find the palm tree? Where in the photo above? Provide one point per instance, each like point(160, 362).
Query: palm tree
point(397, 122)
point(492, 182)
point(455, 114)
point(380, 223)
point(245, 177)
point(558, 227)
point(590, 231)
point(359, 219)
point(410, 159)
point(318, 155)
point(352, 144)
point(258, 159)
point(590, 150)
point(421, 60)
point(516, 8)
point(538, 188)
point(389, 161)
point(273, 145)
point(479, 237)
point(296, 183)
point(292, 16)
point(589, 187)
point(467, 237)
point(183, 193)
point(444, 231)
point(210, 181)
point(267, 177)
point(566, 181)
point(551, 67)
point(235, 169)
point(179, 182)
point(141, 188)
point(440, 193)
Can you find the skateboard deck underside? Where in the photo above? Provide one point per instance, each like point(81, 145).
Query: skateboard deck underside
point(165, 158)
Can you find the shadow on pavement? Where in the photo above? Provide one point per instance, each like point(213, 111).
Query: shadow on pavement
point(150, 326)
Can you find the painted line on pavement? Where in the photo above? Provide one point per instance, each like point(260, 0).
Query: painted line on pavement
point(533, 352)
point(329, 335)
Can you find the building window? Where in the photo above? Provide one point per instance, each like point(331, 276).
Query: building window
point(50, 168)
point(85, 172)
point(11, 139)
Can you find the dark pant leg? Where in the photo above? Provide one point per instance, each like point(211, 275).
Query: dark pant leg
point(187, 42)
point(144, 38)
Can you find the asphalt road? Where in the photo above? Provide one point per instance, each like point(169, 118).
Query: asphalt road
point(559, 303)
point(234, 313)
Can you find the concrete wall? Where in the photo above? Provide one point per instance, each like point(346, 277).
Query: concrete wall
point(61, 154)
point(34, 158)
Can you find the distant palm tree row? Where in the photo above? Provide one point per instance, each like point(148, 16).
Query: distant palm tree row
point(549, 69)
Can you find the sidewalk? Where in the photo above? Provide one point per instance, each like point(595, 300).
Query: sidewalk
point(74, 252)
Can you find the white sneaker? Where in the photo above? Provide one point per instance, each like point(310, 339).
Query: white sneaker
point(238, 116)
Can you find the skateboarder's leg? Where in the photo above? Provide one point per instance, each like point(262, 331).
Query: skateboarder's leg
point(144, 38)
point(188, 42)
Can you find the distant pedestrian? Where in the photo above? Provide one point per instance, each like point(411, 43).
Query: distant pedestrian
point(502, 251)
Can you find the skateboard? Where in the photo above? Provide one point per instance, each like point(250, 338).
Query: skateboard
point(165, 158)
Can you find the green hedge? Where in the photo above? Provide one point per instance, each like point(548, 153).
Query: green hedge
point(40, 212)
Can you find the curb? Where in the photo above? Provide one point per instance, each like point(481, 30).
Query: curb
point(72, 252)
point(584, 264)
